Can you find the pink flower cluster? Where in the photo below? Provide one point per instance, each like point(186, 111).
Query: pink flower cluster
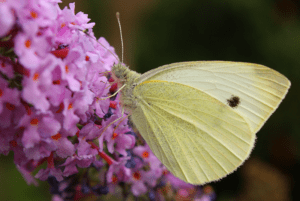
point(54, 83)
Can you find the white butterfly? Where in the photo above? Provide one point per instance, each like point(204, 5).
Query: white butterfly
point(200, 118)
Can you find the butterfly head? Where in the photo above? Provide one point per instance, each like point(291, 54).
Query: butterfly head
point(122, 74)
point(119, 72)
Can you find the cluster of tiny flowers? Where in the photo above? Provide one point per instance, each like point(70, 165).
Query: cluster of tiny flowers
point(55, 114)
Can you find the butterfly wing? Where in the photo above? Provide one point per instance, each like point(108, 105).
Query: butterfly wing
point(196, 136)
point(255, 91)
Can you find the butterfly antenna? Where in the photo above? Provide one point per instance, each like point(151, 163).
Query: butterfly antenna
point(118, 18)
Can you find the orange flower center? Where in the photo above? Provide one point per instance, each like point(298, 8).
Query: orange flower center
point(33, 14)
point(145, 154)
point(67, 68)
point(56, 137)
point(114, 179)
point(70, 106)
point(137, 175)
point(34, 122)
point(35, 77)
point(113, 104)
point(27, 43)
point(56, 82)
point(114, 136)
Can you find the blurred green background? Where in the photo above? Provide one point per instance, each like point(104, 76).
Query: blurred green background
point(162, 32)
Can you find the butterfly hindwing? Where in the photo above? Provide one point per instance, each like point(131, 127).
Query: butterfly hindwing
point(196, 136)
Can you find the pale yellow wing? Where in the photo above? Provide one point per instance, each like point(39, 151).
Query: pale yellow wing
point(197, 137)
point(258, 89)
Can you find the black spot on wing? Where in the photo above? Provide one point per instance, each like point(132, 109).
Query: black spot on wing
point(234, 101)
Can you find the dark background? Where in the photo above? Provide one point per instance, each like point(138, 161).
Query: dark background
point(162, 32)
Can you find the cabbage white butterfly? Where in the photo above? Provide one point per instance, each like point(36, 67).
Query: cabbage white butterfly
point(200, 118)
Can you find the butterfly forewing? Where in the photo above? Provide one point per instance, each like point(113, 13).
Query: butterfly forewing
point(254, 91)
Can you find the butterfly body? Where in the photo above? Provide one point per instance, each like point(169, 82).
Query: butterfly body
point(201, 118)
point(123, 75)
